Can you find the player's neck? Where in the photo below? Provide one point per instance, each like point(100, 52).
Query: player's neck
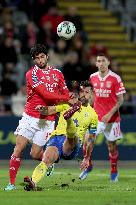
point(103, 74)
point(44, 68)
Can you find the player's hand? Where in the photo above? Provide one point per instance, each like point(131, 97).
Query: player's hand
point(106, 118)
point(42, 109)
point(85, 164)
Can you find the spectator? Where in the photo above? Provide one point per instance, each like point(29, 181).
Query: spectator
point(8, 52)
point(7, 85)
point(28, 36)
point(52, 16)
point(58, 54)
point(97, 49)
point(5, 108)
point(73, 16)
point(46, 36)
point(18, 101)
point(73, 69)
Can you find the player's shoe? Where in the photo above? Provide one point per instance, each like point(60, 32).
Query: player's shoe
point(114, 177)
point(10, 187)
point(30, 184)
point(68, 114)
point(85, 173)
point(50, 170)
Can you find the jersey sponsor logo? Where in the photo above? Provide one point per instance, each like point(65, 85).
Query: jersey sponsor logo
point(102, 92)
point(50, 87)
point(86, 114)
point(108, 84)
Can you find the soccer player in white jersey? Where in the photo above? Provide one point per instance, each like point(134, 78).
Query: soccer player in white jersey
point(45, 86)
point(108, 97)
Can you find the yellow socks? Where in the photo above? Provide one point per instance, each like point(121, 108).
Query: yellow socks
point(39, 172)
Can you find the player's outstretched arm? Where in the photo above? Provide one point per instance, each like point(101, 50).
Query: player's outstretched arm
point(49, 110)
point(88, 148)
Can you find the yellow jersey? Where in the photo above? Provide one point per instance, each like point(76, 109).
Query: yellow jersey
point(84, 119)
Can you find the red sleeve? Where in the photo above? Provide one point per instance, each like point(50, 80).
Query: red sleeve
point(119, 87)
point(40, 90)
point(62, 85)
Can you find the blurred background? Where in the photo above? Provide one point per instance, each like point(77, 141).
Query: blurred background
point(106, 26)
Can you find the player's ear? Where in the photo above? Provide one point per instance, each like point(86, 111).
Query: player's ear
point(108, 62)
point(47, 56)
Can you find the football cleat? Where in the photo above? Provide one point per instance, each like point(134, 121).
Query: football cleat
point(10, 187)
point(114, 177)
point(68, 114)
point(85, 173)
point(50, 170)
point(30, 184)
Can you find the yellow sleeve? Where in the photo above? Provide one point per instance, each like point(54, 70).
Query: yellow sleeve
point(61, 107)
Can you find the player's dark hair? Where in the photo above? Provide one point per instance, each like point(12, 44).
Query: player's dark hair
point(85, 83)
point(37, 49)
point(103, 55)
point(73, 85)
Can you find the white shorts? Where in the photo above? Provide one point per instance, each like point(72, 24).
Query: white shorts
point(36, 130)
point(111, 131)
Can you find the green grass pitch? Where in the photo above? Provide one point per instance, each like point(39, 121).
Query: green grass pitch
point(64, 188)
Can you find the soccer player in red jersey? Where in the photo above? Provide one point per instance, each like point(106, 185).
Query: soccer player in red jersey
point(108, 97)
point(45, 86)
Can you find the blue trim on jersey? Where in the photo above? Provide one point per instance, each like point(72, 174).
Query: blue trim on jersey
point(92, 131)
point(58, 141)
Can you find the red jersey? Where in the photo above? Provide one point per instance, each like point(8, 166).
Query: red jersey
point(105, 93)
point(53, 81)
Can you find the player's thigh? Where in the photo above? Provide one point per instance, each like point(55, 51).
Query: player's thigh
point(113, 132)
point(36, 151)
point(100, 127)
point(27, 127)
point(42, 136)
point(72, 153)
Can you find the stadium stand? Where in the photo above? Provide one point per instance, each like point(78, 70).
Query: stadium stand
point(104, 27)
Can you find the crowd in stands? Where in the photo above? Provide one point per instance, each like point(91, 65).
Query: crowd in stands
point(24, 23)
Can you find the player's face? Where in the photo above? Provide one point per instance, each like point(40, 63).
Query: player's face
point(102, 63)
point(41, 60)
point(73, 97)
point(85, 94)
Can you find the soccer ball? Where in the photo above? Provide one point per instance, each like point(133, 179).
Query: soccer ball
point(66, 30)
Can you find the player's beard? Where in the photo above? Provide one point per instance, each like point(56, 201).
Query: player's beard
point(83, 101)
point(42, 66)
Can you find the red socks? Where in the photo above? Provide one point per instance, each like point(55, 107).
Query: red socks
point(14, 166)
point(114, 160)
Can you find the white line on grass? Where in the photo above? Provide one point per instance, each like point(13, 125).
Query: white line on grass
point(98, 175)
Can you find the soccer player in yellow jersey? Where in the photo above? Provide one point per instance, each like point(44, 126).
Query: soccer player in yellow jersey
point(76, 126)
